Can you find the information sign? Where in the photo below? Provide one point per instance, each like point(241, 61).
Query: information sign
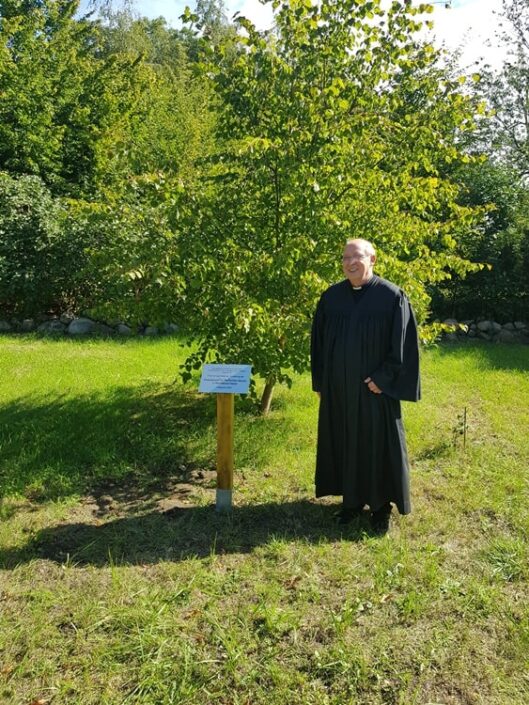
point(225, 379)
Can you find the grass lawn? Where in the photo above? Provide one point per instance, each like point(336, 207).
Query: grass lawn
point(120, 584)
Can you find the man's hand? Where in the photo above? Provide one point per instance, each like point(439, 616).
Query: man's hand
point(372, 386)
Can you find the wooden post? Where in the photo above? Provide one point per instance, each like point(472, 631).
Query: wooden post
point(224, 452)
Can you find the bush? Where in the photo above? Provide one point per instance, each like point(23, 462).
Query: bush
point(29, 241)
point(131, 266)
point(43, 250)
point(501, 290)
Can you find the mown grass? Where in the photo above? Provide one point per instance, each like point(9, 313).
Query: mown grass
point(120, 584)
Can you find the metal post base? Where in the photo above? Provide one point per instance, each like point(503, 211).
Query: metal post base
point(224, 500)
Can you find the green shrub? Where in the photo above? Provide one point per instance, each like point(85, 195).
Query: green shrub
point(31, 267)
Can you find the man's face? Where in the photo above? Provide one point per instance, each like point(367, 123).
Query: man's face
point(357, 265)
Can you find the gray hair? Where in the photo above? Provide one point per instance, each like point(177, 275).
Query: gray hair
point(368, 246)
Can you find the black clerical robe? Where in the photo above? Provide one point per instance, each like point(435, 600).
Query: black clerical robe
point(361, 443)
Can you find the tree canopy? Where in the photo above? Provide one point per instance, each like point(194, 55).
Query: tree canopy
point(338, 123)
point(209, 175)
point(498, 183)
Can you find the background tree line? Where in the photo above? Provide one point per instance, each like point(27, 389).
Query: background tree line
point(209, 175)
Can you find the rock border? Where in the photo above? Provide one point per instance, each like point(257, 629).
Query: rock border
point(487, 330)
point(82, 326)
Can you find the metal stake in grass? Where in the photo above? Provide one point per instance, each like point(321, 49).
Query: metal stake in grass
point(460, 429)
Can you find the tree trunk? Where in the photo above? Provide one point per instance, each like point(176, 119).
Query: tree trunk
point(266, 399)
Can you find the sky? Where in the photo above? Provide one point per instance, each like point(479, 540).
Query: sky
point(468, 24)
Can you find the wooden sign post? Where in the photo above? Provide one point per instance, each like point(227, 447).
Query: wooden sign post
point(225, 381)
point(225, 408)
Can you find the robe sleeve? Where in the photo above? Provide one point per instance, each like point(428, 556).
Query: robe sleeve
point(398, 376)
point(316, 347)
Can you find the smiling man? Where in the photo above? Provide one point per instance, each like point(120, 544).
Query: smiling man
point(365, 360)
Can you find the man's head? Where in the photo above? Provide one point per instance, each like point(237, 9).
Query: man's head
point(358, 260)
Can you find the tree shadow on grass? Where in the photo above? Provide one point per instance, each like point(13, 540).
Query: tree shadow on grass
point(55, 447)
point(497, 356)
point(184, 532)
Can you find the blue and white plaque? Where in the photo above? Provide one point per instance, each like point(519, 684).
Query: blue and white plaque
point(225, 379)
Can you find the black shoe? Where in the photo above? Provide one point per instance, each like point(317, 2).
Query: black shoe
point(346, 515)
point(380, 519)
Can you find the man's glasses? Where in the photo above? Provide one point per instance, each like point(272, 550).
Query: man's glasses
point(354, 258)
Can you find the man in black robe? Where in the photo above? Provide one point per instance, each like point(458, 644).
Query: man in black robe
point(365, 360)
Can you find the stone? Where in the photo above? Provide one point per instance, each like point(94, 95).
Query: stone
point(450, 322)
point(509, 326)
point(103, 329)
point(28, 325)
point(170, 328)
point(81, 326)
point(484, 336)
point(52, 327)
point(520, 325)
point(506, 336)
point(472, 333)
point(66, 318)
point(5, 327)
point(123, 329)
point(484, 326)
point(151, 330)
point(496, 327)
point(451, 337)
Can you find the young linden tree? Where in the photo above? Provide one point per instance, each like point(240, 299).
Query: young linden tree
point(337, 123)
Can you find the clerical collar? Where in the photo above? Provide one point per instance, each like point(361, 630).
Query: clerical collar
point(359, 288)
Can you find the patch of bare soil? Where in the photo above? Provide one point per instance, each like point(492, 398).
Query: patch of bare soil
point(132, 495)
